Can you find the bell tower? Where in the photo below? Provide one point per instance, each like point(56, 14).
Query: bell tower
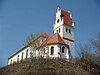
point(65, 27)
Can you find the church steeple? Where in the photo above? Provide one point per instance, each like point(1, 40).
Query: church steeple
point(65, 27)
point(63, 19)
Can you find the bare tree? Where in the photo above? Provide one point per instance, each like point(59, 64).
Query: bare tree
point(96, 45)
point(83, 51)
point(90, 52)
point(32, 41)
point(29, 39)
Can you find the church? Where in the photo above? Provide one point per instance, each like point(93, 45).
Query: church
point(58, 45)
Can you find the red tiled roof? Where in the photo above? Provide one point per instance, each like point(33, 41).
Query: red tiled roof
point(54, 39)
point(45, 35)
point(66, 17)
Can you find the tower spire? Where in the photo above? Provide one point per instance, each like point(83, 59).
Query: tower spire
point(58, 8)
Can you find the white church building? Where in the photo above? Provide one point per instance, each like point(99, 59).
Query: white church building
point(58, 45)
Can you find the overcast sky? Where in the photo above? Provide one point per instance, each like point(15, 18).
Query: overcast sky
point(19, 18)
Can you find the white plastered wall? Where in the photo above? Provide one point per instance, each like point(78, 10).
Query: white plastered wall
point(15, 57)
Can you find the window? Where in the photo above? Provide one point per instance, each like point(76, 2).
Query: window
point(18, 58)
point(66, 29)
point(11, 62)
point(52, 50)
point(44, 50)
point(26, 53)
point(63, 48)
point(68, 47)
point(58, 21)
point(69, 52)
point(69, 30)
point(59, 30)
point(22, 56)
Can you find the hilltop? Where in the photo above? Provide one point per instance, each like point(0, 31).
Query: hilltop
point(49, 67)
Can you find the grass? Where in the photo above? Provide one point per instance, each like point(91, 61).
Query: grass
point(44, 67)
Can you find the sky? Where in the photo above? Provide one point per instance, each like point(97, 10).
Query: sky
point(19, 18)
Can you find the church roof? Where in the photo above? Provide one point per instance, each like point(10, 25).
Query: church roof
point(66, 16)
point(44, 35)
point(54, 39)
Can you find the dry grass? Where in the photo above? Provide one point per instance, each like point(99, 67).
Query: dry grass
point(44, 67)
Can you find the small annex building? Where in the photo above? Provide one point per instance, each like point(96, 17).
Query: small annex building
point(58, 45)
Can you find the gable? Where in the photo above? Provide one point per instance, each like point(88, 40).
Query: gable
point(54, 39)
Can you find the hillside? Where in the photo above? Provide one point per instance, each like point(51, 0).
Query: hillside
point(45, 67)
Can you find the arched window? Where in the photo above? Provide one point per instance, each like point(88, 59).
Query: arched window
point(26, 53)
point(44, 50)
point(11, 62)
point(18, 58)
point(66, 29)
point(59, 30)
point(69, 30)
point(68, 50)
point(63, 49)
point(58, 21)
point(52, 50)
point(22, 55)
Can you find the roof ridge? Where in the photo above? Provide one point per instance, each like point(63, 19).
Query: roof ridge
point(54, 39)
point(57, 37)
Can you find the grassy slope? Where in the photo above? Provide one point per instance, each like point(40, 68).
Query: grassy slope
point(44, 67)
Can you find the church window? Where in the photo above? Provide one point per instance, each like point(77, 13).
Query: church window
point(26, 53)
point(59, 30)
point(66, 29)
point(22, 55)
point(58, 21)
point(44, 50)
point(18, 58)
point(69, 52)
point(63, 48)
point(11, 62)
point(52, 50)
point(69, 30)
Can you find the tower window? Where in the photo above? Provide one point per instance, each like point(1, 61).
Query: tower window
point(66, 29)
point(52, 50)
point(59, 30)
point(69, 30)
point(63, 48)
point(58, 21)
point(68, 49)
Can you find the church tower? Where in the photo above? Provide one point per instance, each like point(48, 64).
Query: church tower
point(65, 27)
